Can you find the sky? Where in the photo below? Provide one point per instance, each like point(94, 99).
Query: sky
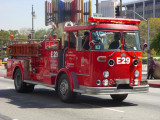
point(16, 14)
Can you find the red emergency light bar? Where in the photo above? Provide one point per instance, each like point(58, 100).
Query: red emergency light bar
point(114, 20)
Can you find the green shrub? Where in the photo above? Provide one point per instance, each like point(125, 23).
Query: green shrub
point(144, 61)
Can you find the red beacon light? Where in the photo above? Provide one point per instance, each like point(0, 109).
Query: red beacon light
point(114, 20)
point(12, 36)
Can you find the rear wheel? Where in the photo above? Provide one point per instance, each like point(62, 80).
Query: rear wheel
point(64, 89)
point(119, 97)
point(21, 86)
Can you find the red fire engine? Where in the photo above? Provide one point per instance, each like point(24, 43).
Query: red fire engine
point(111, 64)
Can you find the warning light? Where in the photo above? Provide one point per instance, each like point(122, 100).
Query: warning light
point(114, 20)
point(145, 45)
point(12, 36)
point(91, 44)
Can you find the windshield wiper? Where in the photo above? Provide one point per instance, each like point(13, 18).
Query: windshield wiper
point(115, 51)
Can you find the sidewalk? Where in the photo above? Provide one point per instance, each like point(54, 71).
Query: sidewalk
point(153, 82)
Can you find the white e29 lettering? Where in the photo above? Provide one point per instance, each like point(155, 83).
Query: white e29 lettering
point(123, 60)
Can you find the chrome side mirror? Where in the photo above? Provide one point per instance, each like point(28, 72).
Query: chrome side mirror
point(78, 44)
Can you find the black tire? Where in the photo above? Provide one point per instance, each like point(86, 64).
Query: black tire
point(118, 97)
point(64, 89)
point(21, 86)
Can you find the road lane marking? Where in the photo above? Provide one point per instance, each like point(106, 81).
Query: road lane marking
point(114, 110)
point(10, 87)
point(104, 108)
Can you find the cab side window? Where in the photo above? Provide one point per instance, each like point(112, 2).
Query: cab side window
point(72, 40)
point(65, 39)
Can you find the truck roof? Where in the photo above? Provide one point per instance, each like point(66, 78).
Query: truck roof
point(101, 26)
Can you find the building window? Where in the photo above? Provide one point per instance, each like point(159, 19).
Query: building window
point(130, 7)
point(139, 5)
point(158, 10)
point(157, 1)
point(149, 4)
point(140, 13)
point(148, 12)
point(130, 15)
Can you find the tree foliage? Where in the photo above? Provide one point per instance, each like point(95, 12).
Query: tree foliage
point(39, 34)
point(154, 27)
point(5, 36)
point(156, 43)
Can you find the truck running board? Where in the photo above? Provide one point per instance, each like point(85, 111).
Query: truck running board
point(38, 83)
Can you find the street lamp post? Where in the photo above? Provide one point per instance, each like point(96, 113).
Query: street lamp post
point(120, 7)
point(33, 16)
point(96, 6)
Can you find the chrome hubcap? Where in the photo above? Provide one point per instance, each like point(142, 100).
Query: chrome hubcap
point(64, 87)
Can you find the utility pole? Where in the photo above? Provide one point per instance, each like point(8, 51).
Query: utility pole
point(96, 6)
point(33, 16)
point(120, 7)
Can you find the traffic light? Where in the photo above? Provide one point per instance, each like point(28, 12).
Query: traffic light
point(117, 12)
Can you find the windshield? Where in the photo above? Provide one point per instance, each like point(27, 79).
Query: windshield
point(131, 41)
point(106, 40)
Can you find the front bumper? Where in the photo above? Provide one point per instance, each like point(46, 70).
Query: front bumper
point(112, 90)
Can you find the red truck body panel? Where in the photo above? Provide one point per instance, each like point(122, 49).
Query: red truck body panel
point(46, 64)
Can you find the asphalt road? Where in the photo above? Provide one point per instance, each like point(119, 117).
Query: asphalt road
point(44, 104)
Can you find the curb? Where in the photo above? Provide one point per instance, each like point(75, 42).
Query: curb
point(2, 75)
point(154, 85)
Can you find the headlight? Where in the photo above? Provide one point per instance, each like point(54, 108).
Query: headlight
point(105, 82)
point(136, 81)
point(98, 82)
point(111, 62)
point(105, 74)
point(135, 62)
point(136, 73)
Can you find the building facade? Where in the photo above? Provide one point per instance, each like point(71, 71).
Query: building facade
point(145, 8)
point(107, 8)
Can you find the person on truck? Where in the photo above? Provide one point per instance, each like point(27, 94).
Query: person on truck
point(97, 39)
point(85, 41)
point(115, 44)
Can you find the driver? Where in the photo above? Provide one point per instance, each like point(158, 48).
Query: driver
point(115, 43)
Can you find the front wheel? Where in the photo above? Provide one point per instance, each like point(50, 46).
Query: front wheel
point(21, 86)
point(64, 89)
point(118, 97)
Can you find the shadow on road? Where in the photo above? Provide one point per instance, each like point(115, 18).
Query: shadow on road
point(46, 98)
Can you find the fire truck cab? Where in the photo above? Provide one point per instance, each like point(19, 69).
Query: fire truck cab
point(104, 57)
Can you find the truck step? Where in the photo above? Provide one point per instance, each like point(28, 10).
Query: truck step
point(38, 83)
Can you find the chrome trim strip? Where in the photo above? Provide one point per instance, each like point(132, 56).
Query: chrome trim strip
point(38, 83)
point(19, 59)
point(122, 81)
point(111, 90)
point(50, 75)
point(83, 74)
point(100, 57)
